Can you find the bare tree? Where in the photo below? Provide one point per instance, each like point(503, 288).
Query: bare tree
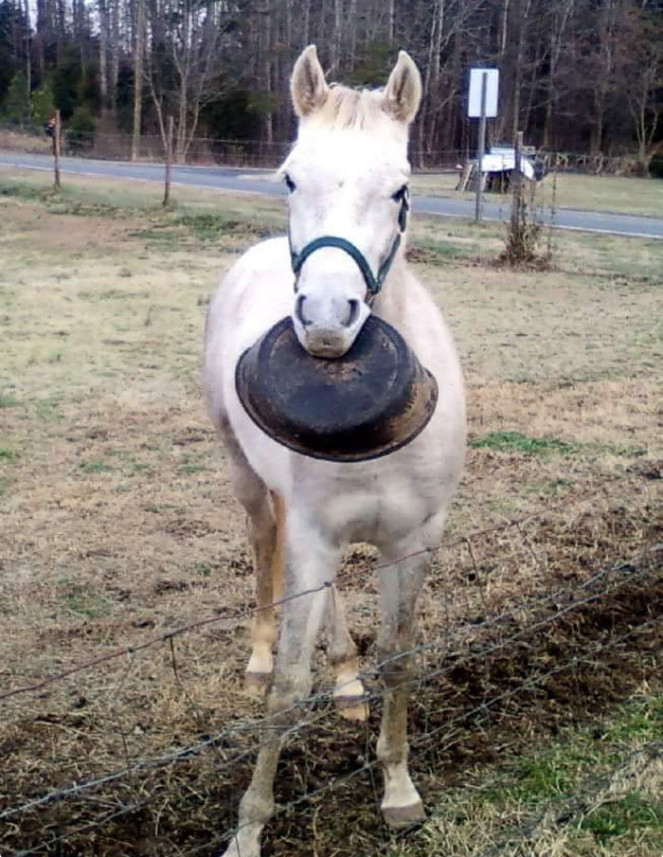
point(641, 44)
point(184, 60)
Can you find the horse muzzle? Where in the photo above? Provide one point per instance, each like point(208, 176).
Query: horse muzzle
point(327, 325)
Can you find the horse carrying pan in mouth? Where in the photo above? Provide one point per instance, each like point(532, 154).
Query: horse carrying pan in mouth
point(343, 260)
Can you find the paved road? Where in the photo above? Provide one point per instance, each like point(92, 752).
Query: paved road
point(258, 181)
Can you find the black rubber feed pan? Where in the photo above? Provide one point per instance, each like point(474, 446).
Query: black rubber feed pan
point(370, 402)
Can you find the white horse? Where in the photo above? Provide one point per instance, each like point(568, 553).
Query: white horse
point(347, 176)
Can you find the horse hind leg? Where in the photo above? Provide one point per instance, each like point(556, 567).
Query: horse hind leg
point(349, 693)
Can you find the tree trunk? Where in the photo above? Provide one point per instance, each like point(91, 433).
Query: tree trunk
point(103, 52)
point(28, 54)
point(432, 79)
point(307, 22)
point(139, 51)
point(267, 71)
point(336, 38)
point(114, 42)
point(352, 33)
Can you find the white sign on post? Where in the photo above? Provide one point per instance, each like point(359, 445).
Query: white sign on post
point(474, 101)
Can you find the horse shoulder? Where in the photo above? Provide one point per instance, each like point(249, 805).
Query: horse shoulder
point(252, 296)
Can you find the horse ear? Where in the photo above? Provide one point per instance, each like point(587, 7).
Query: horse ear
point(402, 94)
point(308, 87)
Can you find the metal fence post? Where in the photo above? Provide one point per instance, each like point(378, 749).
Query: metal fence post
point(482, 149)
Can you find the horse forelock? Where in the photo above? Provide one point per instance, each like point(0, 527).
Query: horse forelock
point(354, 109)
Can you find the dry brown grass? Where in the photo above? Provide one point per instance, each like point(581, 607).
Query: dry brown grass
point(118, 524)
point(625, 194)
point(15, 141)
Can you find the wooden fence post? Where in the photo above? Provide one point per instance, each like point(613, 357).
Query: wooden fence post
point(169, 159)
point(516, 177)
point(56, 151)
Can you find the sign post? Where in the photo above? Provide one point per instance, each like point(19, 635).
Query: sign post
point(482, 104)
point(482, 149)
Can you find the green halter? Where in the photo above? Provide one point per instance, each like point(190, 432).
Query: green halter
point(373, 283)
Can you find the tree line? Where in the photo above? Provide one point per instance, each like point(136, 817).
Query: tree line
point(581, 76)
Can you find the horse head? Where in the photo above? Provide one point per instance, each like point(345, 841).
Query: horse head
point(347, 177)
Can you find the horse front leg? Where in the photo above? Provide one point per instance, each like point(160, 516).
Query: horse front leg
point(267, 533)
point(400, 585)
point(310, 568)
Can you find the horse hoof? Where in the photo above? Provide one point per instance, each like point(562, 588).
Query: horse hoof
point(402, 816)
point(257, 684)
point(352, 707)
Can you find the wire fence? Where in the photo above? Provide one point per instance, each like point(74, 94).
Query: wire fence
point(95, 804)
point(266, 154)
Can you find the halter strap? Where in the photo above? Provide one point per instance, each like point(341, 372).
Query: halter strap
point(373, 283)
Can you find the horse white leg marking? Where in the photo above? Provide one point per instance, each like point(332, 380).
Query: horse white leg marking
point(349, 691)
point(400, 585)
point(311, 563)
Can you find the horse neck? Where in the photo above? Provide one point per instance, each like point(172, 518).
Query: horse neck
point(389, 305)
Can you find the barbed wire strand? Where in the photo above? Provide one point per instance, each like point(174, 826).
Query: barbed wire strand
point(480, 709)
point(326, 698)
point(483, 707)
point(249, 611)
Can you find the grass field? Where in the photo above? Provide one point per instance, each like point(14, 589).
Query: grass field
point(118, 526)
point(626, 195)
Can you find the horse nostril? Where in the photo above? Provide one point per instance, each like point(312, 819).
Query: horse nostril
point(354, 312)
point(299, 310)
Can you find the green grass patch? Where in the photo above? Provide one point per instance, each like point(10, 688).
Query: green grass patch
point(7, 454)
point(190, 469)
point(48, 408)
point(578, 790)
point(209, 226)
point(643, 723)
point(436, 252)
point(95, 466)
point(633, 813)
point(515, 441)
point(202, 568)
point(77, 600)
point(23, 190)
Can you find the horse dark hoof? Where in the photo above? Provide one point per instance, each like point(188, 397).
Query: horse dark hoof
point(402, 816)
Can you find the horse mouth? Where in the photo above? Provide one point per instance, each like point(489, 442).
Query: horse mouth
point(327, 345)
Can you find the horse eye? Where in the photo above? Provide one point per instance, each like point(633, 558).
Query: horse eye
point(289, 183)
point(401, 194)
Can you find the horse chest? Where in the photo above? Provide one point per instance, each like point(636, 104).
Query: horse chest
point(375, 507)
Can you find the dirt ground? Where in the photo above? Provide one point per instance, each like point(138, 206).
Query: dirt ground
point(118, 527)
